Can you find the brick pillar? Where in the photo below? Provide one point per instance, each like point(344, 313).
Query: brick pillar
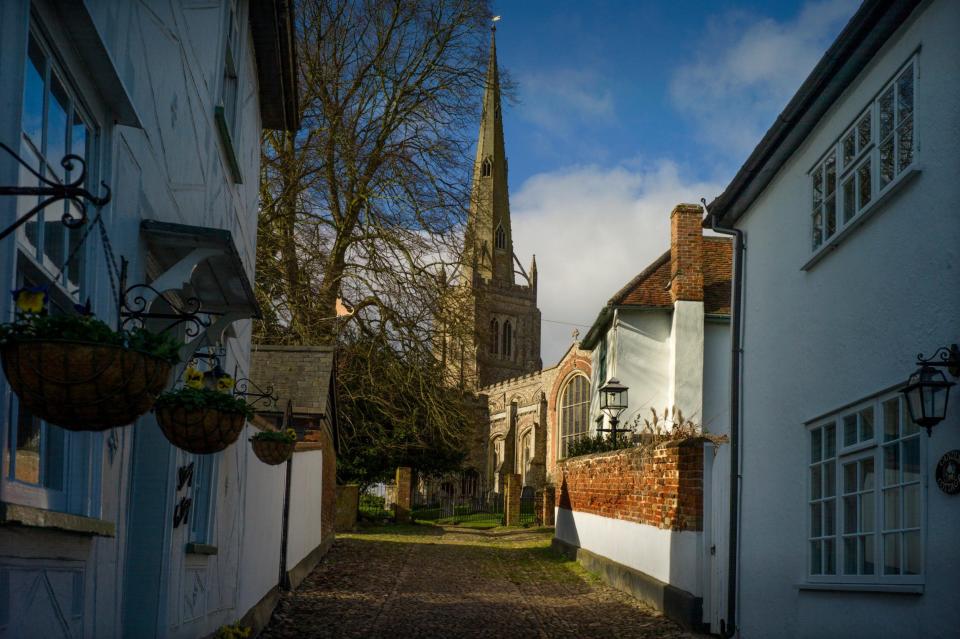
point(401, 509)
point(549, 501)
point(511, 499)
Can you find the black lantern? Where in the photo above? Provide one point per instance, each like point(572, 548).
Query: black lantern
point(927, 392)
point(928, 389)
point(613, 401)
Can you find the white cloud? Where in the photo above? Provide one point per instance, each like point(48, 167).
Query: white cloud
point(593, 229)
point(748, 68)
point(560, 100)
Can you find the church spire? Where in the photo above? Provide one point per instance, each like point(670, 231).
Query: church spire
point(491, 236)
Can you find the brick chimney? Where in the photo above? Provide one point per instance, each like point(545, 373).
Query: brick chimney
point(686, 253)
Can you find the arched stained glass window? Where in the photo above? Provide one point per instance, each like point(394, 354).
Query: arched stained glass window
point(500, 238)
point(574, 412)
point(494, 335)
point(507, 339)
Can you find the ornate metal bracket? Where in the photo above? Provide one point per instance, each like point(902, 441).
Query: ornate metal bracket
point(943, 357)
point(245, 388)
point(134, 312)
point(54, 191)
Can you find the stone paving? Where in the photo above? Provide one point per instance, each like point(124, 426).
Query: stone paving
point(424, 581)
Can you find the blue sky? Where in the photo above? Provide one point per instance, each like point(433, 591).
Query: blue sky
point(626, 108)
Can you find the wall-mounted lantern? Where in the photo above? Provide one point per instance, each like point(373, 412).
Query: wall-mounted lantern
point(928, 389)
point(613, 401)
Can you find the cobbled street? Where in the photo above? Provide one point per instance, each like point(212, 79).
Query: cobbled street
point(424, 581)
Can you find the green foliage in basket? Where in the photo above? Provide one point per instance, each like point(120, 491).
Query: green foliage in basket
point(86, 328)
point(199, 398)
point(288, 436)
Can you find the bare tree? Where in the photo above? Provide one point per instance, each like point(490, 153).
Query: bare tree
point(367, 201)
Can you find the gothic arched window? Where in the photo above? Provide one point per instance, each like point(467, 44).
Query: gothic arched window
point(494, 335)
point(574, 412)
point(507, 339)
point(500, 237)
point(486, 168)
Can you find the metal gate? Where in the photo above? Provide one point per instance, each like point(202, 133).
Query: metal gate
point(455, 499)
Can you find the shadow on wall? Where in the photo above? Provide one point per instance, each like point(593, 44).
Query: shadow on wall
point(566, 527)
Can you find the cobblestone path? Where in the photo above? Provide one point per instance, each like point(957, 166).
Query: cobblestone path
point(422, 581)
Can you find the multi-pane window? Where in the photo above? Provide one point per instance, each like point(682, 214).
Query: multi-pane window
point(53, 126)
point(574, 412)
point(46, 465)
point(823, 502)
point(229, 90)
point(500, 237)
point(878, 146)
point(865, 495)
point(486, 168)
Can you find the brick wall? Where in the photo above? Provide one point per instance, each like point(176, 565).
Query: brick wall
point(659, 485)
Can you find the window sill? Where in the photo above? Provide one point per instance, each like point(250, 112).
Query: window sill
point(20, 515)
point(896, 589)
point(200, 549)
point(861, 217)
point(224, 130)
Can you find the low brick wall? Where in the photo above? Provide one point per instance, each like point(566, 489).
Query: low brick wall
point(659, 485)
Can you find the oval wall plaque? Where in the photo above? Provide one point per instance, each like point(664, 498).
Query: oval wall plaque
point(948, 472)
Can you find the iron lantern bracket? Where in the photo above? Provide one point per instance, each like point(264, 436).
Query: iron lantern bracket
point(944, 357)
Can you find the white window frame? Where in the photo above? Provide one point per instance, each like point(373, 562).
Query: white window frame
point(872, 448)
point(866, 155)
point(82, 452)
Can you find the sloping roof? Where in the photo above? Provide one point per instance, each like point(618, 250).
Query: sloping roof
point(651, 288)
point(300, 374)
point(869, 28)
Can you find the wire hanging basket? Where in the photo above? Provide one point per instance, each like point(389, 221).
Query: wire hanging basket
point(272, 452)
point(83, 386)
point(201, 431)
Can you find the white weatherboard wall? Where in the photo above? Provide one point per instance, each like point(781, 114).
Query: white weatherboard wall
point(169, 59)
point(263, 510)
point(667, 555)
point(847, 328)
point(306, 497)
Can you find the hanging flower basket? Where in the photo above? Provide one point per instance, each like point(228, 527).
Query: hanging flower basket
point(201, 420)
point(82, 386)
point(73, 371)
point(272, 447)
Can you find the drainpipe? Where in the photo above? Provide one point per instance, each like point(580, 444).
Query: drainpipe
point(728, 626)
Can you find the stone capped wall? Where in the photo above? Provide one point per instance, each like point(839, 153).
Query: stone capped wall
point(659, 485)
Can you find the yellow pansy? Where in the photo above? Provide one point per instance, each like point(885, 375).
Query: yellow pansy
point(193, 377)
point(30, 300)
point(225, 383)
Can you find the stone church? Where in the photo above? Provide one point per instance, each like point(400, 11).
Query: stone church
point(499, 355)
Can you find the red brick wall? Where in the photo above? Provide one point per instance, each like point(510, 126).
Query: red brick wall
point(660, 485)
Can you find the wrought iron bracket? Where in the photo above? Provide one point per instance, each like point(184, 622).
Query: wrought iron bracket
point(943, 357)
point(54, 191)
point(136, 301)
point(246, 388)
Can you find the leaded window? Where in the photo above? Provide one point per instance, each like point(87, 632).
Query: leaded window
point(574, 412)
point(877, 148)
point(500, 237)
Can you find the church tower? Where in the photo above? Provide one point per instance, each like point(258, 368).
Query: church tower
point(506, 330)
